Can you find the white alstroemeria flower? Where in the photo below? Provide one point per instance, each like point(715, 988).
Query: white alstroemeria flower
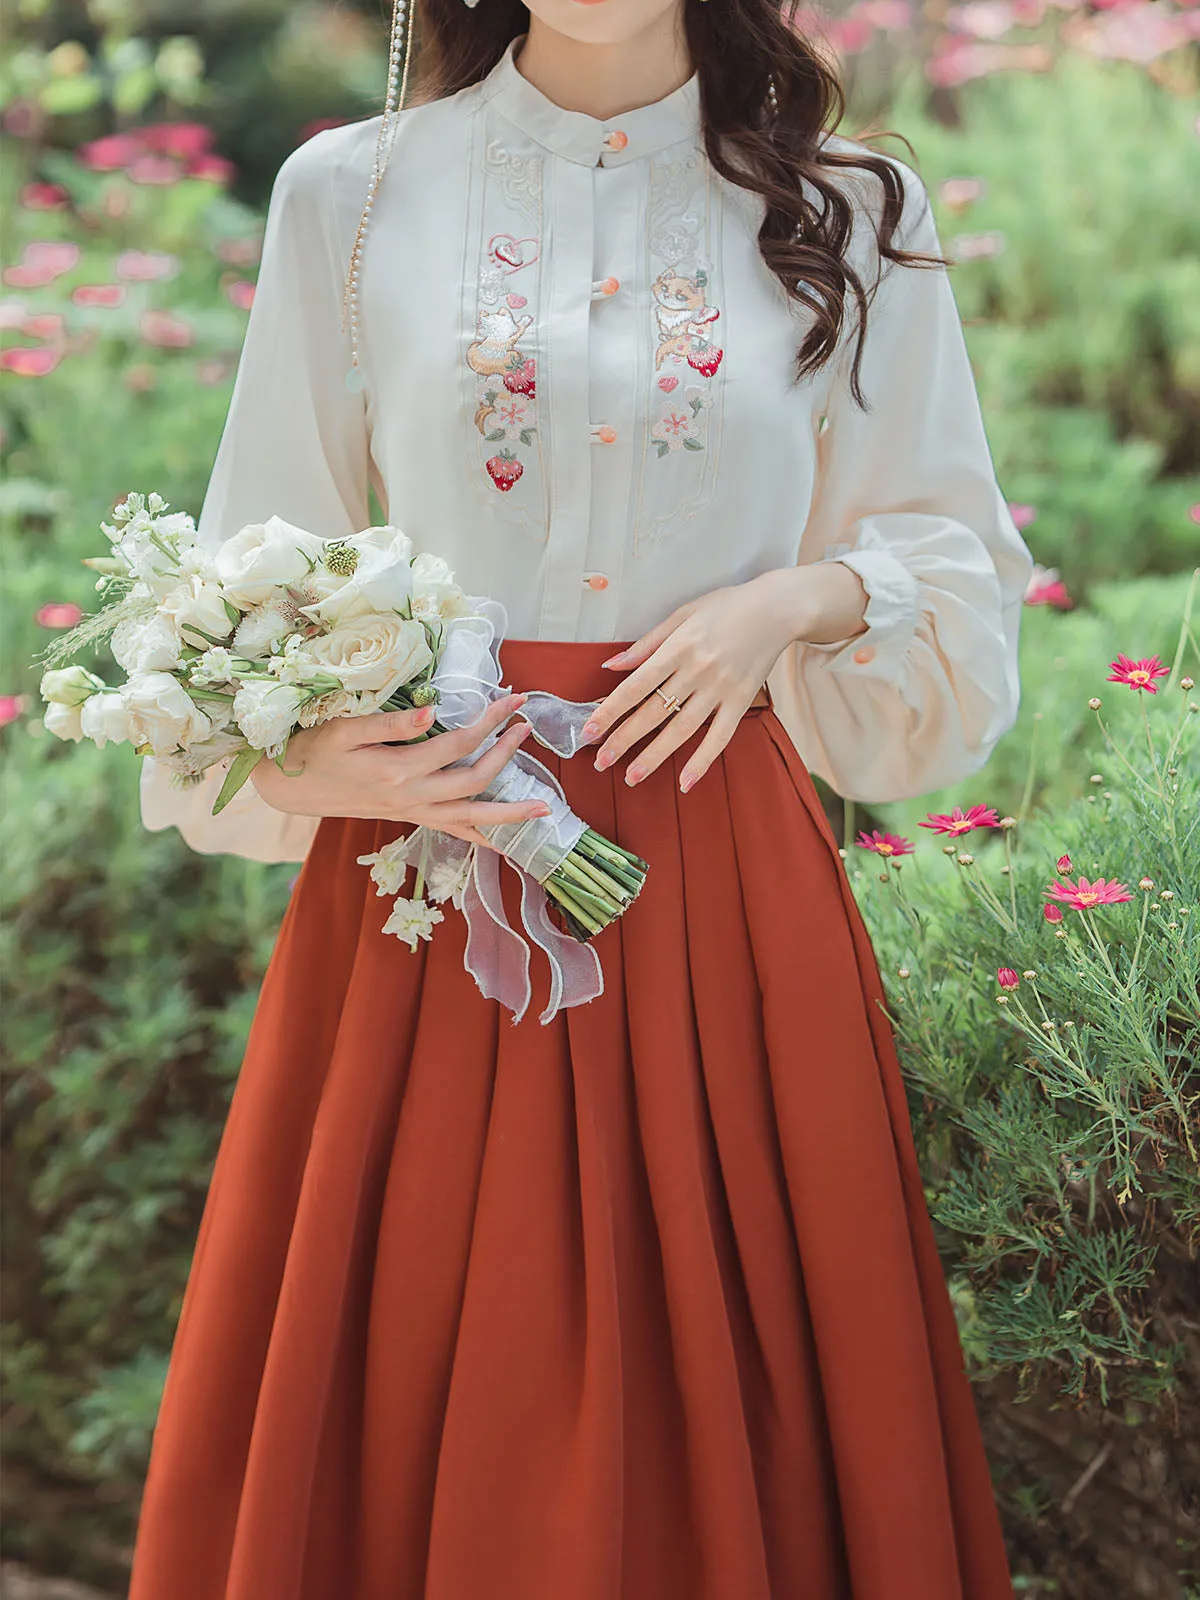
point(70, 686)
point(147, 644)
point(337, 703)
point(261, 631)
point(199, 604)
point(434, 592)
point(161, 712)
point(105, 718)
point(197, 759)
point(264, 556)
point(266, 713)
point(412, 920)
point(373, 654)
point(367, 572)
point(389, 866)
point(63, 721)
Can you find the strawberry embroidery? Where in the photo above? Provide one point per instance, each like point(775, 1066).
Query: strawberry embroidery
point(523, 380)
point(504, 470)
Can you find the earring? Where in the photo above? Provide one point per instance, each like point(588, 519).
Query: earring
point(397, 85)
point(471, 3)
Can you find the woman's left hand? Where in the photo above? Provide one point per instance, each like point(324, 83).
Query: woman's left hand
point(714, 653)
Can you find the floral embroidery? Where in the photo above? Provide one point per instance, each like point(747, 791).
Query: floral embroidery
point(505, 372)
point(685, 324)
point(679, 428)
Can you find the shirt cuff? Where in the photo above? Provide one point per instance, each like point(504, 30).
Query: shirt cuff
point(891, 615)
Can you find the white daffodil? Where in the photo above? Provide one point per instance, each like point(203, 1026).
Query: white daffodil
point(412, 920)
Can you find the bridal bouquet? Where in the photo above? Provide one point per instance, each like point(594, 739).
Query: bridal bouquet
point(227, 652)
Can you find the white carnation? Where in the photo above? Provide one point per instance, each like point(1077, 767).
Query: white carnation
point(198, 604)
point(147, 644)
point(105, 718)
point(266, 713)
point(412, 920)
point(162, 714)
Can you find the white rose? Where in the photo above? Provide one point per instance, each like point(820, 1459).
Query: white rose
point(63, 721)
point(381, 580)
point(198, 604)
point(434, 591)
point(69, 686)
point(373, 654)
point(266, 713)
point(162, 714)
point(264, 556)
point(105, 717)
point(147, 644)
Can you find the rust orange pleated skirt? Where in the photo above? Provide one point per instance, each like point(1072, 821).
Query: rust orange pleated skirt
point(640, 1304)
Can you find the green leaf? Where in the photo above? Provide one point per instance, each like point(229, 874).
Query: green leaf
point(692, 444)
point(242, 766)
point(495, 436)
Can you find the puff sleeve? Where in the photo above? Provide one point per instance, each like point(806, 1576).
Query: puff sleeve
point(295, 443)
point(906, 495)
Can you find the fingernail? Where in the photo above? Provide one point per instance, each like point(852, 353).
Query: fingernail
point(604, 759)
point(686, 782)
point(635, 774)
point(590, 730)
point(540, 810)
point(518, 700)
point(424, 715)
point(616, 660)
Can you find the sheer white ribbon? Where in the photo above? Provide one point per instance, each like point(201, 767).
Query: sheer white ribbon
point(467, 678)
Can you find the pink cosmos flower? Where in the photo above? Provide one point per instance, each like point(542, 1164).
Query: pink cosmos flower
point(885, 13)
point(1022, 515)
point(1051, 912)
point(960, 821)
point(43, 325)
point(98, 294)
point(959, 193)
point(1007, 978)
point(212, 168)
point(1194, 512)
point(111, 153)
point(239, 251)
point(11, 707)
point(166, 331)
point(241, 293)
point(187, 141)
point(1046, 588)
point(145, 266)
point(977, 246)
point(885, 844)
point(1082, 896)
point(38, 196)
point(1063, 865)
point(162, 171)
point(211, 372)
point(58, 614)
point(1138, 674)
point(30, 361)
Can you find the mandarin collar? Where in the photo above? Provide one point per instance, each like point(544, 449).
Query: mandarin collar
point(629, 136)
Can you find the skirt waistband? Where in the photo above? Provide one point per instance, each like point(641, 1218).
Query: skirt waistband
point(570, 667)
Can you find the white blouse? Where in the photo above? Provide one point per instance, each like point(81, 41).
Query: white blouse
point(578, 391)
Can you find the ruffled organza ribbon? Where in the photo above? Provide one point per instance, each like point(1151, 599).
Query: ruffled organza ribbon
point(467, 678)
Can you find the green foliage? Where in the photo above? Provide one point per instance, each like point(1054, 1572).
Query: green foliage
point(1061, 1135)
point(1084, 329)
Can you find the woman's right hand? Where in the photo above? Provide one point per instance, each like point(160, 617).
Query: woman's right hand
point(346, 768)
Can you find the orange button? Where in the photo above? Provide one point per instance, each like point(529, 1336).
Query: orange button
point(610, 286)
point(596, 580)
point(606, 434)
point(617, 140)
point(865, 654)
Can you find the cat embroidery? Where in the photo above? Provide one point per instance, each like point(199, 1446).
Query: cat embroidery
point(685, 320)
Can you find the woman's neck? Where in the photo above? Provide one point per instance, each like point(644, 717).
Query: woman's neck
point(604, 80)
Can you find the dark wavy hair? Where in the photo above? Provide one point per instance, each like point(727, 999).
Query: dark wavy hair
point(768, 143)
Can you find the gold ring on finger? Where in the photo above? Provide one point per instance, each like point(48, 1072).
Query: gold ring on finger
point(672, 702)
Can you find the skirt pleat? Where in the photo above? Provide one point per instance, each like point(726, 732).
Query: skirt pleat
point(643, 1304)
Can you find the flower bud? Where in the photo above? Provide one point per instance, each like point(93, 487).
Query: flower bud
point(1093, 704)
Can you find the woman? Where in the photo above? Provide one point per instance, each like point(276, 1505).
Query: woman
point(641, 1301)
